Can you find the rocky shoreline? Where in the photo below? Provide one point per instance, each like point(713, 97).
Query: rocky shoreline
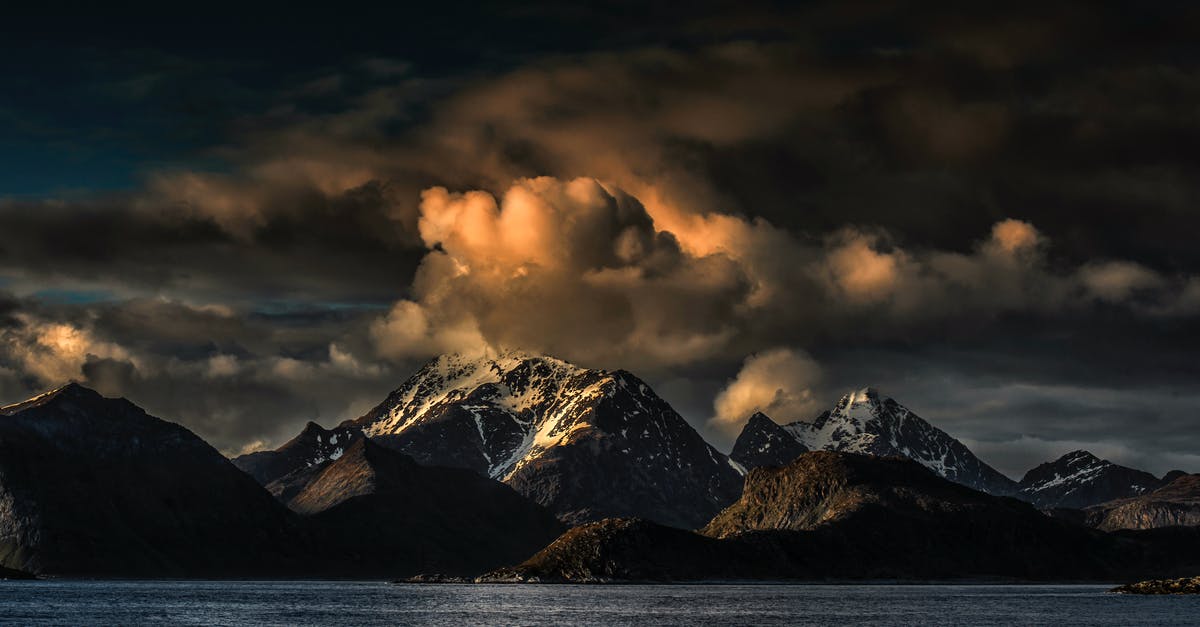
point(9, 574)
point(1184, 585)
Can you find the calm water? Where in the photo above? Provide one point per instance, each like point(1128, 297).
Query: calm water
point(371, 603)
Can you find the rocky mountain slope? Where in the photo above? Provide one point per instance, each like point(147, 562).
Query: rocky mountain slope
point(94, 486)
point(1176, 504)
point(842, 515)
point(1079, 479)
point(864, 422)
point(585, 443)
point(379, 512)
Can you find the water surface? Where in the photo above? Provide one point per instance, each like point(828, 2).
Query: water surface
point(377, 603)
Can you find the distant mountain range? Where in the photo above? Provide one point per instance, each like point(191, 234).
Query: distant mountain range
point(847, 515)
point(474, 464)
point(567, 437)
point(865, 422)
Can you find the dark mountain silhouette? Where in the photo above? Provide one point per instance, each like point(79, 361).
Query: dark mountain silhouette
point(95, 486)
point(378, 512)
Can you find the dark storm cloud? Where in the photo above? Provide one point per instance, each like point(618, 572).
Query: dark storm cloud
point(989, 212)
point(336, 248)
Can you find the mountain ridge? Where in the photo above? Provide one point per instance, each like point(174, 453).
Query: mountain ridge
point(1079, 479)
point(586, 443)
point(864, 422)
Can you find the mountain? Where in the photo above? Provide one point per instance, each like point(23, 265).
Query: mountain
point(1176, 504)
point(862, 422)
point(894, 517)
point(95, 486)
point(587, 444)
point(1079, 479)
point(844, 515)
point(313, 446)
point(380, 512)
point(763, 442)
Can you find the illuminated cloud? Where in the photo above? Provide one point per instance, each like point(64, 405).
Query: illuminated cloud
point(778, 382)
point(569, 267)
point(1117, 281)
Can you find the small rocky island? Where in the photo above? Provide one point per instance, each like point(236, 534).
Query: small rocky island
point(1185, 585)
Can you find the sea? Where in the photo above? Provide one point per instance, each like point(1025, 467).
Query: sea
point(293, 603)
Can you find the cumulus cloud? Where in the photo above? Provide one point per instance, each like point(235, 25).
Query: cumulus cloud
point(861, 272)
point(1014, 239)
point(779, 383)
point(583, 269)
point(569, 267)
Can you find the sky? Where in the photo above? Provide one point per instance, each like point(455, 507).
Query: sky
point(246, 218)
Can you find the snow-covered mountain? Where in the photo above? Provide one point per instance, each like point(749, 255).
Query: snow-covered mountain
point(863, 422)
point(1080, 479)
point(586, 443)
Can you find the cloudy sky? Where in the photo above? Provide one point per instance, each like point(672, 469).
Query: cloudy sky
point(244, 219)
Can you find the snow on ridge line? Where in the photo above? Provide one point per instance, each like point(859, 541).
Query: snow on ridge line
point(455, 373)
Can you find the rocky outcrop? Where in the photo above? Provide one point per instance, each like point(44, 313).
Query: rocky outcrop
point(1176, 504)
point(1185, 585)
point(626, 549)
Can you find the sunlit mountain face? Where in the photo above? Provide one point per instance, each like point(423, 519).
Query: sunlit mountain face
point(248, 220)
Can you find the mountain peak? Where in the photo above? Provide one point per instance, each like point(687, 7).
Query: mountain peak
point(311, 428)
point(863, 395)
point(1079, 479)
point(518, 417)
point(759, 417)
point(1080, 456)
point(864, 422)
point(859, 405)
point(763, 442)
point(70, 391)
